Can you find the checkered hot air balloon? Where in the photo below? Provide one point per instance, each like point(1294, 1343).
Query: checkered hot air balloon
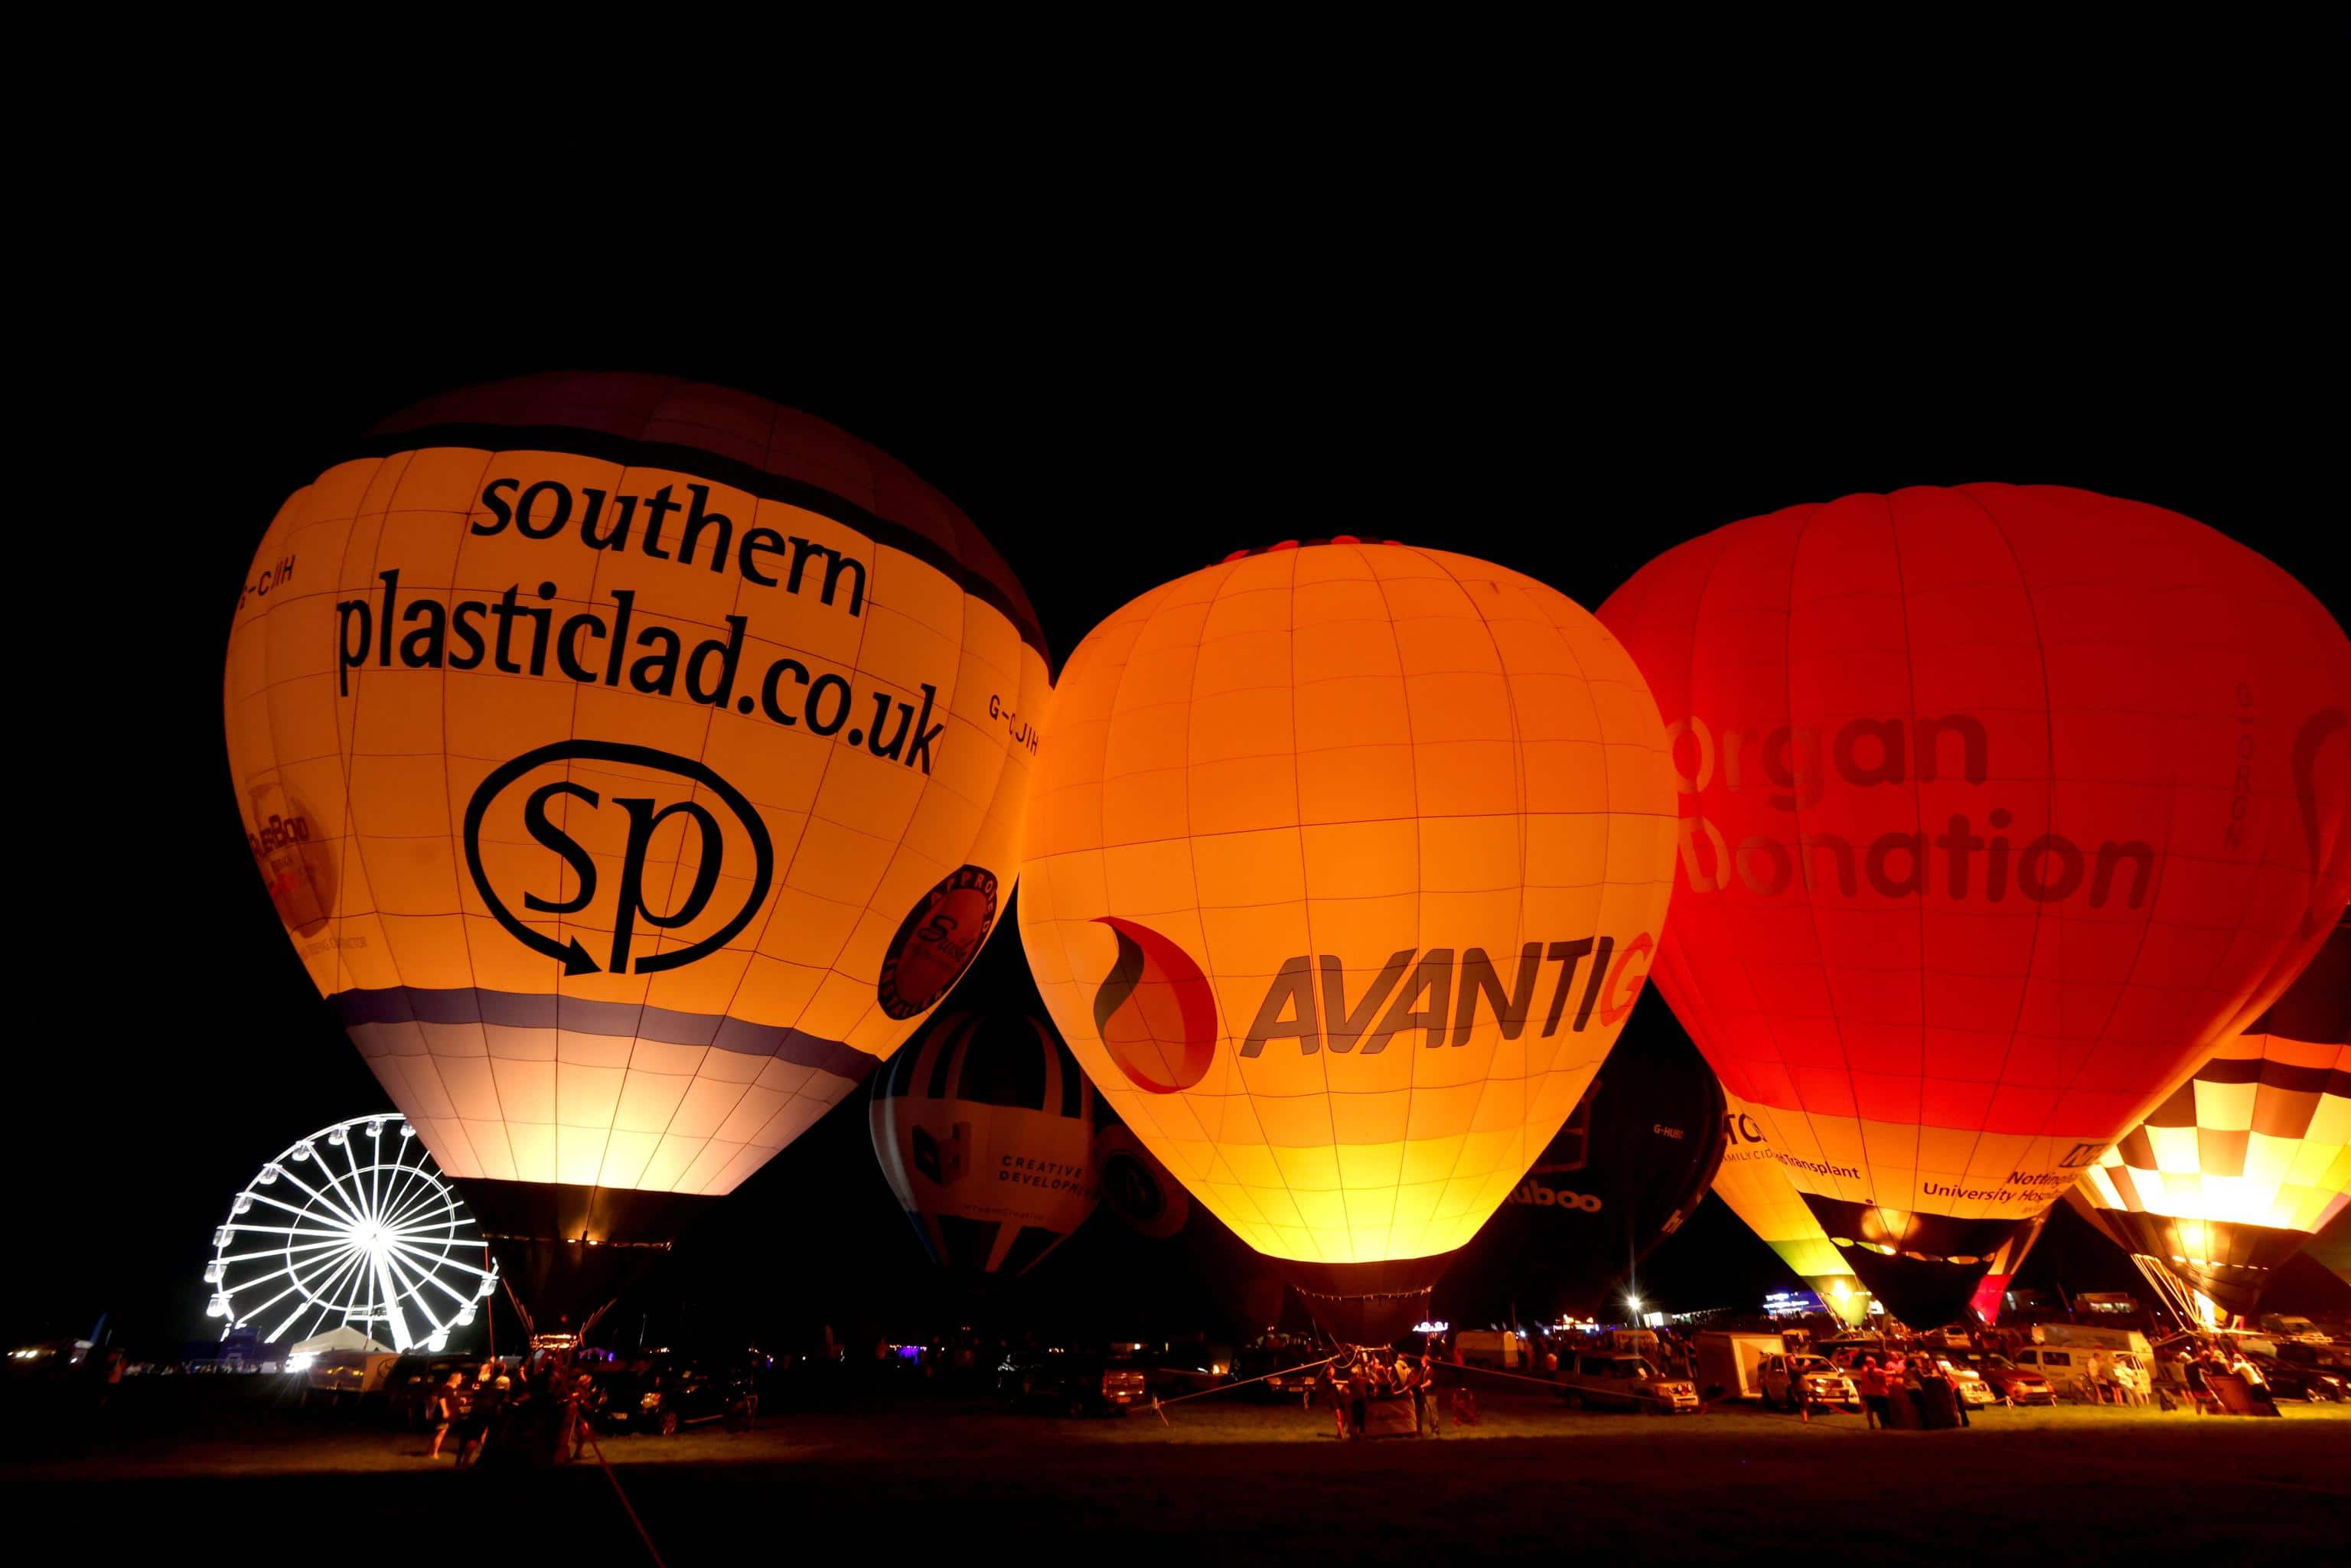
point(2239, 1168)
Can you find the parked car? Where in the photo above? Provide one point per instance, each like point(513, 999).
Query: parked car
point(1973, 1388)
point(1270, 1373)
point(2017, 1385)
point(2297, 1371)
point(1610, 1382)
point(668, 1397)
point(1188, 1368)
point(1076, 1382)
point(1783, 1376)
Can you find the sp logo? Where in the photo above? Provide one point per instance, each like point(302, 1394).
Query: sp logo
point(643, 814)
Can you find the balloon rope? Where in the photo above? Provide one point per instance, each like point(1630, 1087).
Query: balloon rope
point(1244, 1382)
point(650, 1550)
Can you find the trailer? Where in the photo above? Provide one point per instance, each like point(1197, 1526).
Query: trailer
point(1730, 1363)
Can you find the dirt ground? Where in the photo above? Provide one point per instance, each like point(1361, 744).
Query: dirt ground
point(1219, 1479)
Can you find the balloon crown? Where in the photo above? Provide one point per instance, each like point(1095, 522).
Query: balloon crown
point(1298, 543)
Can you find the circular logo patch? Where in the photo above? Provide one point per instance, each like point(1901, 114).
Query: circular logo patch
point(936, 942)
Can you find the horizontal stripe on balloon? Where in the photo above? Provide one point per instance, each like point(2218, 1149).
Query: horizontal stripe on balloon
point(627, 1020)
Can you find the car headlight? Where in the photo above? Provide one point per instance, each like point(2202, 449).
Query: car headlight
point(649, 1401)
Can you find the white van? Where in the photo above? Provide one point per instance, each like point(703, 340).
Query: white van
point(2066, 1365)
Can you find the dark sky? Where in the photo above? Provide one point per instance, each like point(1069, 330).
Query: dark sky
point(1107, 438)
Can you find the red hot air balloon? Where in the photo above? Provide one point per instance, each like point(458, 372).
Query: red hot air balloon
point(1999, 805)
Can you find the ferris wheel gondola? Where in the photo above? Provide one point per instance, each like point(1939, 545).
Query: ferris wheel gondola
point(351, 1226)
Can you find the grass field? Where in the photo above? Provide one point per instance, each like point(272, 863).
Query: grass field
point(1232, 1482)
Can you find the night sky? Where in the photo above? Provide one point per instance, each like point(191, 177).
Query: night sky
point(166, 1038)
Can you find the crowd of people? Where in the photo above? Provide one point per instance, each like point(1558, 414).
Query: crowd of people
point(1913, 1391)
point(2200, 1364)
point(535, 1415)
point(1351, 1382)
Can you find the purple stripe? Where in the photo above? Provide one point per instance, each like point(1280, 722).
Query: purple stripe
point(511, 1009)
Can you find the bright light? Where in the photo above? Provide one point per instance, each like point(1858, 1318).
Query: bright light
point(1431, 1328)
point(1634, 1303)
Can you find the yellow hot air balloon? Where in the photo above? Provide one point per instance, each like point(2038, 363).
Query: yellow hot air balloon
point(1344, 866)
point(634, 764)
point(2233, 1173)
point(1757, 1190)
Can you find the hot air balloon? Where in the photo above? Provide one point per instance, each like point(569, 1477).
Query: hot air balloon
point(634, 764)
point(1632, 1162)
point(1344, 867)
point(1751, 1181)
point(2234, 1172)
point(986, 1132)
point(1241, 1284)
point(1998, 804)
point(1144, 1194)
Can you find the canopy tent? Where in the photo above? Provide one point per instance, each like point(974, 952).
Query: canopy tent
point(343, 1337)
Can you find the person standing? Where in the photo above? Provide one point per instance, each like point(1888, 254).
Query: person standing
point(441, 1410)
point(1872, 1383)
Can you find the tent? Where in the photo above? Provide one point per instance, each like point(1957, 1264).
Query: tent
point(344, 1337)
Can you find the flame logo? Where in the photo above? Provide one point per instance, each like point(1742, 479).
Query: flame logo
point(1156, 1011)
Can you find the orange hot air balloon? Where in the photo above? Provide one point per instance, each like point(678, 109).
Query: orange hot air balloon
point(1344, 866)
point(634, 764)
point(2244, 1162)
point(986, 1130)
point(1998, 804)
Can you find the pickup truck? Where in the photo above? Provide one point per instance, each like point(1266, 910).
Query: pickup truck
point(1608, 1382)
point(1785, 1376)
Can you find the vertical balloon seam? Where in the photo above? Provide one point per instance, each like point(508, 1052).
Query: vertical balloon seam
point(2163, 861)
point(1689, 699)
point(1796, 810)
point(1918, 824)
point(1526, 845)
point(776, 896)
point(465, 1133)
point(1298, 840)
point(2049, 720)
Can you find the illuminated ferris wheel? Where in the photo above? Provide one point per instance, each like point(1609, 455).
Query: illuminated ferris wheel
point(352, 1225)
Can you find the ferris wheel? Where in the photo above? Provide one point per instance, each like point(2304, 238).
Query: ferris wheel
point(352, 1225)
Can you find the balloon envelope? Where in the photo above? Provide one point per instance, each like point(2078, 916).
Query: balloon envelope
point(634, 764)
point(1750, 1180)
point(1632, 1162)
point(2235, 1171)
point(1345, 865)
point(1998, 804)
point(985, 1129)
